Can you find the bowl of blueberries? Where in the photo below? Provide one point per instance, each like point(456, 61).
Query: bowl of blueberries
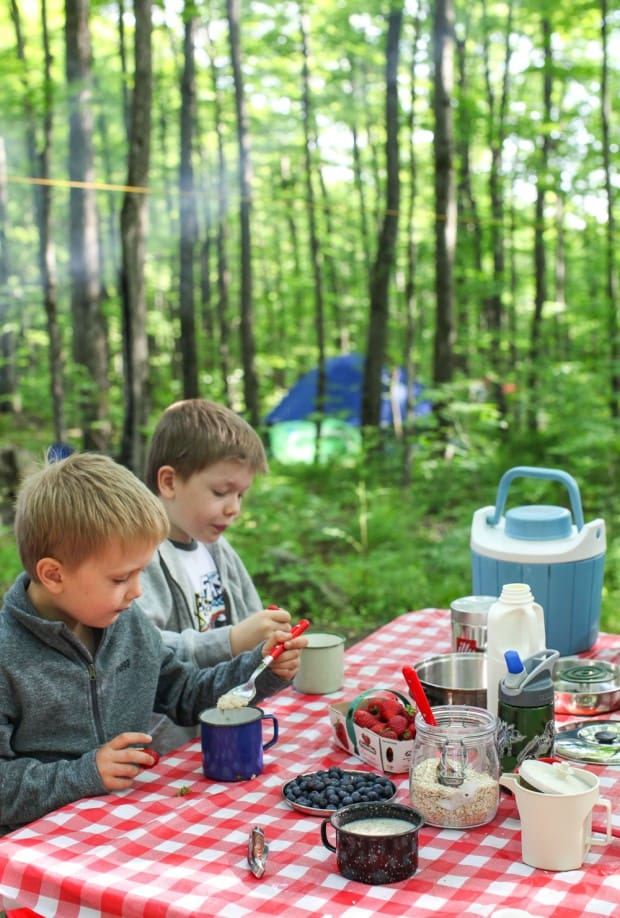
point(320, 793)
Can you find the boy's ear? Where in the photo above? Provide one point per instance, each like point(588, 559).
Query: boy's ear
point(166, 478)
point(51, 574)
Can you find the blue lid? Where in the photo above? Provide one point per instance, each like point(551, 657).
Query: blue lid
point(513, 662)
point(538, 522)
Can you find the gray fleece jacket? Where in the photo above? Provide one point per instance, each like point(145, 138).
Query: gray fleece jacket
point(168, 600)
point(58, 703)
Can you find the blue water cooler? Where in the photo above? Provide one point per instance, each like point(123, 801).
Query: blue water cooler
point(560, 557)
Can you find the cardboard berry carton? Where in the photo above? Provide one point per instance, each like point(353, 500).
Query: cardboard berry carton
point(377, 727)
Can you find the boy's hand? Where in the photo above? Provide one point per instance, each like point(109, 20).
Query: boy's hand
point(287, 664)
point(119, 761)
point(252, 631)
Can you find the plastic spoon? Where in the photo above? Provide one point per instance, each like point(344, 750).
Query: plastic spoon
point(419, 695)
point(242, 695)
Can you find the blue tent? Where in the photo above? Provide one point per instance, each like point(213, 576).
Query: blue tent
point(292, 429)
point(343, 396)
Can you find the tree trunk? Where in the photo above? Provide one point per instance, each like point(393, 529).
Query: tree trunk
point(383, 265)
point(611, 267)
point(540, 255)
point(445, 198)
point(248, 344)
point(189, 223)
point(315, 245)
point(223, 268)
point(134, 221)
point(8, 387)
point(90, 346)
point(39, 165)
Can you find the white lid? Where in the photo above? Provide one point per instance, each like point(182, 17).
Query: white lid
point(553, 777)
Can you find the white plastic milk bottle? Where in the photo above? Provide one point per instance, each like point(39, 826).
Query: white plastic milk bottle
point(515, 622)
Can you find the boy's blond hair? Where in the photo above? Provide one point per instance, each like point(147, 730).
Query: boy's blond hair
point(193, 434)
point(70, 510)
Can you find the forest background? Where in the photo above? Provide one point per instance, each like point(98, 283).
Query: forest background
point(210, 198)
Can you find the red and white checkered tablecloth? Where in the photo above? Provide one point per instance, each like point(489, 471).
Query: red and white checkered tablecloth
point(152, 853)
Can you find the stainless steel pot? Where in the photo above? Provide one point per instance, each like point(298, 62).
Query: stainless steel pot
point(454, 678)
point(585, 687)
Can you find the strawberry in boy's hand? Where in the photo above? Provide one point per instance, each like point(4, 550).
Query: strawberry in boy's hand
point(154, 757)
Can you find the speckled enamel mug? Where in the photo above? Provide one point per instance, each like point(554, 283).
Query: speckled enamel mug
point(387, 853)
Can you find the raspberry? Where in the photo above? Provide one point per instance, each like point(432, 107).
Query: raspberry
point(364, 719)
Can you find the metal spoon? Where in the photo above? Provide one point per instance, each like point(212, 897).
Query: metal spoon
point(242, 695)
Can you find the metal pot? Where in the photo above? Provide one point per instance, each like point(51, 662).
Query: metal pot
point(454, 678)
point(585, 687)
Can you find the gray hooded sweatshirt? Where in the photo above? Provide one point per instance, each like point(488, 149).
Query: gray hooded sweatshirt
point(168, 600)
point(58, 703)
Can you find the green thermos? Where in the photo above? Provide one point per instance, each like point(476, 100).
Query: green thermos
point(526, 728)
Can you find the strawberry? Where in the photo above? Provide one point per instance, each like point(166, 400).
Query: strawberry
point(392, 707)
point(341, 733)
point(389, 733)
point(375, 708)
point(364, 719)
point(398, 723)
point(154, 757)
point(408, 734)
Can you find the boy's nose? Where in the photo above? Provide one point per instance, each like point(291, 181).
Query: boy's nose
point(233, 506)
point(134, 588)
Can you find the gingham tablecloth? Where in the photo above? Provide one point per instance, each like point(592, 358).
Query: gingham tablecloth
point(152, 853)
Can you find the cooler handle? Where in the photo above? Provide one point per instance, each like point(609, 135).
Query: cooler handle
point(526, 471)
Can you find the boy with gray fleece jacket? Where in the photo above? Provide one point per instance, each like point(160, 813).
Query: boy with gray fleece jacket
point(82, 669)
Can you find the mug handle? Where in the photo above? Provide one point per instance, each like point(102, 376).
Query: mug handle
point(324, 837)
point(604, 802)
point(274, 738)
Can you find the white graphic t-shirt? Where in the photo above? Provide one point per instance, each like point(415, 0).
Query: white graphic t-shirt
point(210, 607)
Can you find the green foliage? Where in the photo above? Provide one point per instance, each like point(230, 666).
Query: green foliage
point(350, 547)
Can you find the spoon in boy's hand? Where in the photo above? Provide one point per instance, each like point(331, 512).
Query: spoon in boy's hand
point(242, 695)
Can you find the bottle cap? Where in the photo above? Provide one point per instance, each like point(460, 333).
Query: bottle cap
point(533, 688)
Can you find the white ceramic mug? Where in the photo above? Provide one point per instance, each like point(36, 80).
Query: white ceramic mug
point(321, 666)
point(556, 829)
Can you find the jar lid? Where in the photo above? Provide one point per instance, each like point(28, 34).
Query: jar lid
point(553, 778)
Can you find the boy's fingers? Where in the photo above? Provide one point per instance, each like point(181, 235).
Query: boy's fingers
point(130, 739)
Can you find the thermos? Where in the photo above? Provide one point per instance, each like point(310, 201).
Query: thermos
point(560, 556)
point(525, 710)
point(514, 622)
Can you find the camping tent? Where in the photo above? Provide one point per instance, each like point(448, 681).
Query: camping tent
point(292, 428)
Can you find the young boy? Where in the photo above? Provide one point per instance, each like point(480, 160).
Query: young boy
point(201, 461)
point(81, 669)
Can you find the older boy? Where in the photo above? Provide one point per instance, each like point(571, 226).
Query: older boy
point(202, 459)
point(81, 669)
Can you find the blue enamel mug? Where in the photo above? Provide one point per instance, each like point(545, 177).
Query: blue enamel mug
point(232, 742)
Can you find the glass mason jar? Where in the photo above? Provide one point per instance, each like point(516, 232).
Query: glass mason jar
point(454, 774)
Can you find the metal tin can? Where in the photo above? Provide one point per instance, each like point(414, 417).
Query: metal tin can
point(469, 623)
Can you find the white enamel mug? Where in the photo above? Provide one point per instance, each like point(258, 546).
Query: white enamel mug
point(321, 666)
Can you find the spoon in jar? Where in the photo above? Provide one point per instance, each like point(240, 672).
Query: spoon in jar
point(242, 695)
